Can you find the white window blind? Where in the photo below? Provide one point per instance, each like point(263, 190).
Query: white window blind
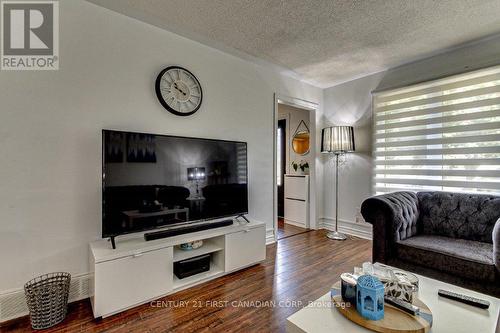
point(439, 135)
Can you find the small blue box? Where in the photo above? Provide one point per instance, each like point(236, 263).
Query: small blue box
point(370, 297)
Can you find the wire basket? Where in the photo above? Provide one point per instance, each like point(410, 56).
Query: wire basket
point(47, 298)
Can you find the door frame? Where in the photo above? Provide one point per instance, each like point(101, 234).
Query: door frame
point(286, 118)
point(312, 108)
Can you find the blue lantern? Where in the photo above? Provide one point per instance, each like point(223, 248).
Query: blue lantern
point(370, 297)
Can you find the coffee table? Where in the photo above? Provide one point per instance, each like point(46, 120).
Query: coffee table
point(448, 316)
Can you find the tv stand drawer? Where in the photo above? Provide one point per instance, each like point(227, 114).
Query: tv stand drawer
point(132, 280)
point(245, 248)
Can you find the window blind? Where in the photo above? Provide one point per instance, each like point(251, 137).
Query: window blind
point(439, 135)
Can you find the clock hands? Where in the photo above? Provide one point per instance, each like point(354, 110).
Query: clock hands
point(175, 86)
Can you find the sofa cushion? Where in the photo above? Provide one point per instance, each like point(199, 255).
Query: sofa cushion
point(469, 259)
point(459, 215)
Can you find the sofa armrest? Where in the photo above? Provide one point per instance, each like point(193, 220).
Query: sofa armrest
point(496, 245)
point(394, 217)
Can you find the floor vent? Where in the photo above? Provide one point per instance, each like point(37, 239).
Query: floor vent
point(13, 304)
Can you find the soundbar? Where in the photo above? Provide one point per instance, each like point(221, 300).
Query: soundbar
point(185, 230)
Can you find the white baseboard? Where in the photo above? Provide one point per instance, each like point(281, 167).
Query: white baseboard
point(270, 236)
point(296, 224)
point(13, 303)
point(362, 230)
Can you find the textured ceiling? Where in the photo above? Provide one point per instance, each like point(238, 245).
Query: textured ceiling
point(325, 42)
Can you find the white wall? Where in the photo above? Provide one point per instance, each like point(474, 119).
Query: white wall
point(350, 104)
point(50, 130)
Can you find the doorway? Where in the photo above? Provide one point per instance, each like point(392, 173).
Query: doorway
point(281, 163)
point(294, 159)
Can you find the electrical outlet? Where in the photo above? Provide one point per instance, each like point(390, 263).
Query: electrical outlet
point(359, 217)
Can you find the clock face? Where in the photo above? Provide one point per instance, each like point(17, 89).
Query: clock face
point(179, 91)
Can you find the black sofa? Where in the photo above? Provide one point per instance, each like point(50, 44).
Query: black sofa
point(454, 237)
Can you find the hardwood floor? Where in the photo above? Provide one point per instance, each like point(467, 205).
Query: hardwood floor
point(297, 270)
point(286, 230)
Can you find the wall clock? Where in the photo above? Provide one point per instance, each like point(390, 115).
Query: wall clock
point(178, 91)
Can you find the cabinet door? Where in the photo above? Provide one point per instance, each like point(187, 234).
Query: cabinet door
point(296, 187)
point(296, 211)
point(129, 281)
point(245, 248)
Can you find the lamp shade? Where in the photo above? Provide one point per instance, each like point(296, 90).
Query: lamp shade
point(337, 139)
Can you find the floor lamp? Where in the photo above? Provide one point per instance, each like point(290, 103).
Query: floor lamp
point(337, 140)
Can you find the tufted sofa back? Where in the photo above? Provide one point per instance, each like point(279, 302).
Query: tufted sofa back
point(400, 209)
point(459, 215)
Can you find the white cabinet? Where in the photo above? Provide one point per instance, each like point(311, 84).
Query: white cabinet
point(295, 212)
point(297, 200)
point(137, 271)
point(296, 187)
point(132, 280)
point(245, 248)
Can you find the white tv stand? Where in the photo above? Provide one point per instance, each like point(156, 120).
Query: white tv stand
point(137, 271)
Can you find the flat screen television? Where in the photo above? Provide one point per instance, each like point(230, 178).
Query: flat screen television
point(152, 181)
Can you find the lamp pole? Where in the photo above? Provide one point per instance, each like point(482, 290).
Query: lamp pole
point(336, 191)
point(335, 234)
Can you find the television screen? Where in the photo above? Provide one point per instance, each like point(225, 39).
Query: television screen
point(152, 181)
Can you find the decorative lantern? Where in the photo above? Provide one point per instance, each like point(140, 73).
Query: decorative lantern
point(370, 297)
